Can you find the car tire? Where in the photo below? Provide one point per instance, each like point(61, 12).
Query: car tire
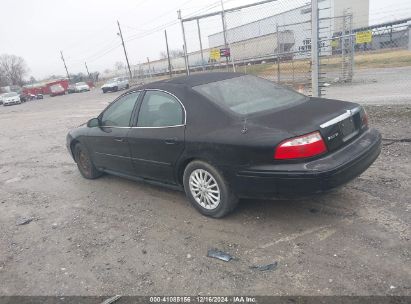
point(84, 163)
point(115, 89)
point(207, 190)
point(127, 86)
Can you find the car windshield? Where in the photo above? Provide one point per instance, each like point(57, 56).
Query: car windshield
point(114, 79)
point(10, 94)
point(80, 83)
point(249, 94)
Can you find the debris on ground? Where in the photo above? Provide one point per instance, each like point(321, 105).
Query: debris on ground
point(220, 255)
point(24, 221)
point(265, 267)
point(111, 300)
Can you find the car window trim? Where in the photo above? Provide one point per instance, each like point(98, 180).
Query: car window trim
point(162, 127)
point(114, 101)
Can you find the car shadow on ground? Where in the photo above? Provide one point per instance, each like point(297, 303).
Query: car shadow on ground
point(332, 203)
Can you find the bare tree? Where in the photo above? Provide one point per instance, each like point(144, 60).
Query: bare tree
point(119, 66)
point(176, 53)
point(163, 55)
point(13, 69)
point(173, 54)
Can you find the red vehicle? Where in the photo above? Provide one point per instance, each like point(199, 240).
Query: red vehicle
point(57, 89)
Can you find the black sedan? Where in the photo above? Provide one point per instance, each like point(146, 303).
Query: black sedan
point(224, 136)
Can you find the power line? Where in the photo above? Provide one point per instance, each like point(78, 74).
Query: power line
point(159, 16)
point(163, 26)
point(105, 53)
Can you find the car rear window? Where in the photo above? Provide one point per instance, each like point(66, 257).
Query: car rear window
point(249, 94)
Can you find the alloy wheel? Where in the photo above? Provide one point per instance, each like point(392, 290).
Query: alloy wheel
point(204, 189)
point(84, 161)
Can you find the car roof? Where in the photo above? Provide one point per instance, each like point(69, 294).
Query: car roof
point(201, 78)
point(189, 81)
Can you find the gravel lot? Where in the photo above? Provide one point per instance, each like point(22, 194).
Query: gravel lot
point(114, 236)
point(374, 86)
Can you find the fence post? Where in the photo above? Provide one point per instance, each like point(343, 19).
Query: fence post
point(185, 43)
point(201, 44)
point(278, 54)
point(314, 49)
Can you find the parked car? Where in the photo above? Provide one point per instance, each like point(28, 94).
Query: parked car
point(1, 98)
point(11, 98)
point(116, 84)
point(224, 136)
point(71, 89)
point(57, 89)
point(81, 87)
point(26, 97)
point(39, 96)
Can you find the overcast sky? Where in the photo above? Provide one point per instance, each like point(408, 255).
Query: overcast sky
point(86, 29)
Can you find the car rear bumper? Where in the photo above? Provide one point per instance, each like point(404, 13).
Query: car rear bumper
point(330, 171)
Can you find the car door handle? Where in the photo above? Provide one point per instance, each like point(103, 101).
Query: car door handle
point(171, 141)
point(120, 139)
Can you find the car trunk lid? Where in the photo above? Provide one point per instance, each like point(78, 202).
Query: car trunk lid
point(337, 121)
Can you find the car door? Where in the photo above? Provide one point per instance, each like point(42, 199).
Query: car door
point(108, 142)
point(157, 139)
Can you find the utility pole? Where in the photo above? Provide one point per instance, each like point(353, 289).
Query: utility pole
point(65, 66)
point(89, 76)
point(314, 49)
point(168, 55)
point(185, 43)
point(226, 42)
point(124, 48)
point(149, 67)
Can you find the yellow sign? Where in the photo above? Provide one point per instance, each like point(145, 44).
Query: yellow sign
point(335, 43)
point(363, 37)
point(215, 54)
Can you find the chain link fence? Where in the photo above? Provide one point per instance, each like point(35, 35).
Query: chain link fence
point(270, 39)
point(366, 63)
point(273, 40)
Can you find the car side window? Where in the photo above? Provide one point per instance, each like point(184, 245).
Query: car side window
point(160, 109)
point(119, 113)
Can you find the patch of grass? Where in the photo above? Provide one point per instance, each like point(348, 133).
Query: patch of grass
point(364, 60)
point(394, 58)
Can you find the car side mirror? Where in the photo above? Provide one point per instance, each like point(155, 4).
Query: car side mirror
point(94, 122)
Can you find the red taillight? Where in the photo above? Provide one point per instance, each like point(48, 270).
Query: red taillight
point(301, 147)
point(364, 119)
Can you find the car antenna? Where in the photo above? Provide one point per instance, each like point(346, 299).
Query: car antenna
point(244, 130)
